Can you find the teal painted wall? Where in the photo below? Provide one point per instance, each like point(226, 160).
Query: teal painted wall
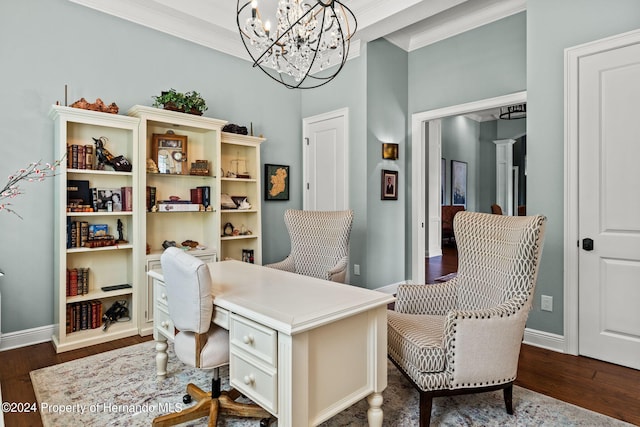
point(553, 26)
point(482, 63)
point(46, 44)
point(386, 122)
point(460, 141)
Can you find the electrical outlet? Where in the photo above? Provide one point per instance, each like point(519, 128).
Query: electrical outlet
point(546, 303)
point(356, 269)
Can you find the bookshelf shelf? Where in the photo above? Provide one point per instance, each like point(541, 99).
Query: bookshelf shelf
point(100, 266)
point(251, 236)
point(103, 248)
point(97, 172)
point(99, 295)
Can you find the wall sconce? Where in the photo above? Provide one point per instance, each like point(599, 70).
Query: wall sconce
point(389, 151)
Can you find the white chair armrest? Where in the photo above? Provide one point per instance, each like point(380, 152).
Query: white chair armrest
point(484, 345)
point(436, 299)
point(286, 264)
point(338, 273)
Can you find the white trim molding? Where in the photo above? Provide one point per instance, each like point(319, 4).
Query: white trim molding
point(26, 337)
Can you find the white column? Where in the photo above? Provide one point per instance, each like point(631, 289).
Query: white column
point(504, 177)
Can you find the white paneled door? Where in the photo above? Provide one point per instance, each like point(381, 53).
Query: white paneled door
point(609, 205)
point(325, 152)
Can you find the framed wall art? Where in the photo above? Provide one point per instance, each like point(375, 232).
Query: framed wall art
point(389, 188)
point(170, 153)
point(276, 182)
point(459, 183)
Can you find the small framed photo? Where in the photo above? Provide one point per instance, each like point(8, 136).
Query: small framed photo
point(389, 185)
point(389, 151)
point(276, 182)
point(108, 199)
point(170, 153)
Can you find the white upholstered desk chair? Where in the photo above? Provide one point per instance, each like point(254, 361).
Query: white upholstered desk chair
point(319, 244)
point(198, 342)
point(464, 336)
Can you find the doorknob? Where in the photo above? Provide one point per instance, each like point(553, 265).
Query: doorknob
point(587, 244)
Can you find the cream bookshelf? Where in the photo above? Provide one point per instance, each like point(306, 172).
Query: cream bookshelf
point(240, 164)
point(202, 143)
point(109, 265)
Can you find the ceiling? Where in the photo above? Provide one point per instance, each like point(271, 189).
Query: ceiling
point(408, 24)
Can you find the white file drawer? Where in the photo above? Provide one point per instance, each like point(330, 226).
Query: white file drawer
point(255, 380)
point(255, 339)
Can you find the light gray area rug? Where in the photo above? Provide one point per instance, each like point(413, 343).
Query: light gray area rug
point(120, 388)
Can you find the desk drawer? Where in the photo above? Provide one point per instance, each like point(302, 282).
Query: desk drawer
point(160, 293)
point(255, 339)
point(254, 379)
point(163, 322)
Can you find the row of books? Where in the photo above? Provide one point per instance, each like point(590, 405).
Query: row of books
point(77, 281)
point(84, 315)
point(81, 196)
point(80, 156)
point(82, 234)
point(200, 199)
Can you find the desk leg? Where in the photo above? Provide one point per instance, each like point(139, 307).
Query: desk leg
point(374, 414)
point(161, 356)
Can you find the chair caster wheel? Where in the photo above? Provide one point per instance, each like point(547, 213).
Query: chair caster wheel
point(186, 398)
point(265, 422)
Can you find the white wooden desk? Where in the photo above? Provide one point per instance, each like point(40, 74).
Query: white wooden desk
point(302, 348)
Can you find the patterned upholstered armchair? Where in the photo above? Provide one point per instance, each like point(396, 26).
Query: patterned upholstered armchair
point(319, 243)
point(464, 336)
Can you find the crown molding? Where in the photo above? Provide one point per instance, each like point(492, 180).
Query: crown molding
point(448, 24)
point(157, 16)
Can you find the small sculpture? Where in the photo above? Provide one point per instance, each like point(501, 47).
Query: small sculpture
point(104, 156)
point(99, 105)
point(151, 166)
point(244, 204)
point(120, 236)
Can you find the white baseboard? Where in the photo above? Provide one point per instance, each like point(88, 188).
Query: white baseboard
point(392, 288)
point(26, 337)
point(544, 340)
point(43, 334)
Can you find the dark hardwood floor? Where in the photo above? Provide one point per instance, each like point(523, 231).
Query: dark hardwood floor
point(601, 387)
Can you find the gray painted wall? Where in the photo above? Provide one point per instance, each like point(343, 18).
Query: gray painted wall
point(460, 141)
point(46, 44)
point(553, 26)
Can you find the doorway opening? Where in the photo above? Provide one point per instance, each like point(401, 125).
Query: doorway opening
point(426, 154)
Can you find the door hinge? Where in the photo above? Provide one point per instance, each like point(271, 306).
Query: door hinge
point(308, 186)
point(306, 140)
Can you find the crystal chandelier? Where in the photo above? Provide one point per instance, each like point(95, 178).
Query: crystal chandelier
point(307, 47)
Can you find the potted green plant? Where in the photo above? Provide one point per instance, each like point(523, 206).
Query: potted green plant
point(170, 100)
point(194, 103)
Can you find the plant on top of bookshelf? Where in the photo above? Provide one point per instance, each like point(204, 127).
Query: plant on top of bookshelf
point(34, 172)
point(190, 102)
point(194, 103)
point(170, 100)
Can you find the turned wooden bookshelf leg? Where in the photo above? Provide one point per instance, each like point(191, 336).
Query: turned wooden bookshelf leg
point(161, 356)
point(375, 414)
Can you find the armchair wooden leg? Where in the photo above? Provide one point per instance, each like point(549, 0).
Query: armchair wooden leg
point(508, 398)
point(426, 401)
